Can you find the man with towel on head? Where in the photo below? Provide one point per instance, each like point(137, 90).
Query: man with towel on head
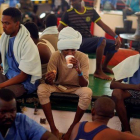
point(21, 64)
point(129, 68)
point(60, 78)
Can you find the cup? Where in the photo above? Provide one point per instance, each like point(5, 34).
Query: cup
point(68, 58)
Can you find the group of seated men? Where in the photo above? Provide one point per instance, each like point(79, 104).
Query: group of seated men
point(25, 59)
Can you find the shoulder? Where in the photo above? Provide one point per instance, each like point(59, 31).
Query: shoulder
point(75, 131)
point(69, 10)
point(56, 55)
point(112, 134)
point(89, 8)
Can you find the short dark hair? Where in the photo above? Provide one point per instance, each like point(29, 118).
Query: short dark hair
point(104, 106)
point(13, 12)
point(51, 20)
point(7, 95)
point(33, 29)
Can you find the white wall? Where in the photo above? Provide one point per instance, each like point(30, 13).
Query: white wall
point(113, 21)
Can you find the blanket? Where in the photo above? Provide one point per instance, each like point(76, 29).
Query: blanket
point(25, 52)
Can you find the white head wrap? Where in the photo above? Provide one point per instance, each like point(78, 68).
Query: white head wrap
point(69, 39)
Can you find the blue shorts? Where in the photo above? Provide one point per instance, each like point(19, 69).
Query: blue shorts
point(89, 45)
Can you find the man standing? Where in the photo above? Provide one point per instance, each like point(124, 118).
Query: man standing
point(132, 6)
point(80, 19)
point(20, 57)
point(61, 78)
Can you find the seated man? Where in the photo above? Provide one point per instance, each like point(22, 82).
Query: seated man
point(51, 31)
point(102, 111)
point(17, 126)
point(80, 19)
point(132, 6)
point(129, 68)
point(60, 78)
point(20, 58)
point(44, 47)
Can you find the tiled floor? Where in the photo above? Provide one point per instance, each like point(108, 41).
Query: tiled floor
point(63, 119)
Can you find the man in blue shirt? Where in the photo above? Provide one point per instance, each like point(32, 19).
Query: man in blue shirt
point(21, 64)
point(132, 6)
point(17, 126)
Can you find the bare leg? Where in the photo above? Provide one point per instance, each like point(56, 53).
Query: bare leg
point(99, 53)
point(119, 96)
point(107, 59)
point(78, 116)
point(48, 113)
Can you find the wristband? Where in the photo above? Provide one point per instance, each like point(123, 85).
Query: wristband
point(116, 36)
point(81, 74)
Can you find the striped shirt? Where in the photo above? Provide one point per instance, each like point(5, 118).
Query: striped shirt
point(80, 21)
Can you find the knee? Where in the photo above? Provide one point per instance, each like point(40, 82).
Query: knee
point(103, 43)
point(87, 92)
point(117, 94)
point(43, 89)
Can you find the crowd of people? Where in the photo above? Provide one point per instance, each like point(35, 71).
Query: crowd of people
point(56, 62)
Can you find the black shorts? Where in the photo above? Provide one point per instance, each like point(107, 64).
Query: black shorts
point(89, 45)
point(134, 93)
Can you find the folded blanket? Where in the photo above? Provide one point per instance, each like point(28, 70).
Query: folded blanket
point(69, 39)
point(25, 52)
point(50, 30)
point(127, 67)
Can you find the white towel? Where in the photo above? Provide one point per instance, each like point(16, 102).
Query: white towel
point(50, 30)
point(25, 52)
point(127, 67)
point(69, 39)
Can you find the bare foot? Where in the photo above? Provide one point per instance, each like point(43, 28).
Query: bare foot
point(56, 133)
point(107, 70)
point(102, 75)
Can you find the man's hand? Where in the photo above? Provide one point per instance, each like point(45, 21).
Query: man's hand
point(50, 77)
point(136, 87)
point(75, 63)
point(117, 43)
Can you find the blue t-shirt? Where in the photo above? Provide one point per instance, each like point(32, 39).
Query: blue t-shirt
point(24, 128)
point(14, 70)
point(13, 3)
point(134, 5)
point(135, 79)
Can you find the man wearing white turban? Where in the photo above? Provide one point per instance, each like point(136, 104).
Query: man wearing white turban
point(80, 18)
point(60, 78)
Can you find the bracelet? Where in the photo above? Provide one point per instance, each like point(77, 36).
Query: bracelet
point(116, 36)
point(81, 74)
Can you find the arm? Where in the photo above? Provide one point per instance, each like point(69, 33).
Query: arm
point(110, 32)
point(75, 131)
point(118, 85)
point(15, 80)
point(64, 22)
point(44, 53)
point(48, 136)
point(60, 27)
point(82, 80)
